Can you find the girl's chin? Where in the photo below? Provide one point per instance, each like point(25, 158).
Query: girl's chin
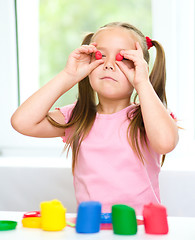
point(112, 95)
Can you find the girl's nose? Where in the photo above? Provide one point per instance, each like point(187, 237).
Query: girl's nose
point(109, 65)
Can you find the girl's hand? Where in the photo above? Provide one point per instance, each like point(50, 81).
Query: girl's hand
point(138, 71)
point(79, 63)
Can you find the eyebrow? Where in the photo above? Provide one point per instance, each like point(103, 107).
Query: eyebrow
point(102, 48)
point(105, 49)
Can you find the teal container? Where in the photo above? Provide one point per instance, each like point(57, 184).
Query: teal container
point(124, 220)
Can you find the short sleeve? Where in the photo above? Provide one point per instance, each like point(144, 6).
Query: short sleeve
point(66, 111)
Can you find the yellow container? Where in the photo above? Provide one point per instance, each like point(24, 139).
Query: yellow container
point(31, 222)
point(53, 216)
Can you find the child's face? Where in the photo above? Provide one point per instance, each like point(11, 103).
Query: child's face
point(107, 79)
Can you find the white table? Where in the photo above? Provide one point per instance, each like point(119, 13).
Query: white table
point(179, 228)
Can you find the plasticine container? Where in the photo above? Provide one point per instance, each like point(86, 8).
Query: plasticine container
point(53, 216)
point(155, 219)
point(124, 220)
point(88, 217)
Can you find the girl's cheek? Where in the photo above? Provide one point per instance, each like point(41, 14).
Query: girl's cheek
point(94, 73)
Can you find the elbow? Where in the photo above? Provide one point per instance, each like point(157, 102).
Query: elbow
point(166, 143)
point(169, 146)
point(17, 124)
point(14, 122)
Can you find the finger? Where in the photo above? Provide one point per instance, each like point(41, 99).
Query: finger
point(129, 55)
point(122, 52)
point(86, 49)
point(130, 52)
point(137, 45)
point(95, 64)
point(123, 68)
point(137, 51)
point(129, 73)
point(133, 57)
point(139, 48)
point(76, 55)
point(94, 44)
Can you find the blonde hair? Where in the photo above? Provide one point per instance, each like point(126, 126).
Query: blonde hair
point(84, 111)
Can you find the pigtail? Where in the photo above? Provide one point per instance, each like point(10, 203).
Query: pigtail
point(158, 73)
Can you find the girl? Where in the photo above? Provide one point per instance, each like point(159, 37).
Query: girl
point(116, 144)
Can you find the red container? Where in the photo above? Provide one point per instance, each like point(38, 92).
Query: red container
point(155, 219)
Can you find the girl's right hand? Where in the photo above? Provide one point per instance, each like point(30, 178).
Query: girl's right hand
point(79, 63)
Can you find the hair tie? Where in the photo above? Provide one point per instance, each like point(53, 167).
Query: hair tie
point(149, 42)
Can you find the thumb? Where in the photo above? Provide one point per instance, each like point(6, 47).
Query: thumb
point(129, 73)
point(123, 68)
point(95, 64)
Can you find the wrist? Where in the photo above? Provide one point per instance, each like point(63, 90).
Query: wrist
point(62, 82)
point(142, 85)
point(69, 76)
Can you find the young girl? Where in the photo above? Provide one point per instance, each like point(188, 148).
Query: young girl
point(116, 144)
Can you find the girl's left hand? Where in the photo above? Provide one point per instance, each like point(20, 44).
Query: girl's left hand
point(140, 71)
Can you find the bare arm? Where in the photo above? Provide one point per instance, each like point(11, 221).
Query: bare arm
point(161, 129)
point(30, 118)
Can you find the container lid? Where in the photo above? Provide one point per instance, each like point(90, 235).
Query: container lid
point(7, 225)
point(32, 214)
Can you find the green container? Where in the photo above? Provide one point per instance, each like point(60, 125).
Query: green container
point(7, 225)
point(124, 220)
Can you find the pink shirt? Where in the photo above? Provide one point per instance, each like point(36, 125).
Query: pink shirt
point(108, 170)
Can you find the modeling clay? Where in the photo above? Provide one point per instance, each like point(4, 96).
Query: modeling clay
point(71, 222)
point(31, 222)
point(88, 217)
point(7, 225)
point(119, 57)
point(155, 219)
point(98, 55)
point(124, 220)
point(53, 216)
point(32, 214)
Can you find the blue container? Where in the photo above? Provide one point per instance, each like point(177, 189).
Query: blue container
point(88, 217)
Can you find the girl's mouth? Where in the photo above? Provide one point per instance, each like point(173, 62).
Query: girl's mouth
point(108, 78)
